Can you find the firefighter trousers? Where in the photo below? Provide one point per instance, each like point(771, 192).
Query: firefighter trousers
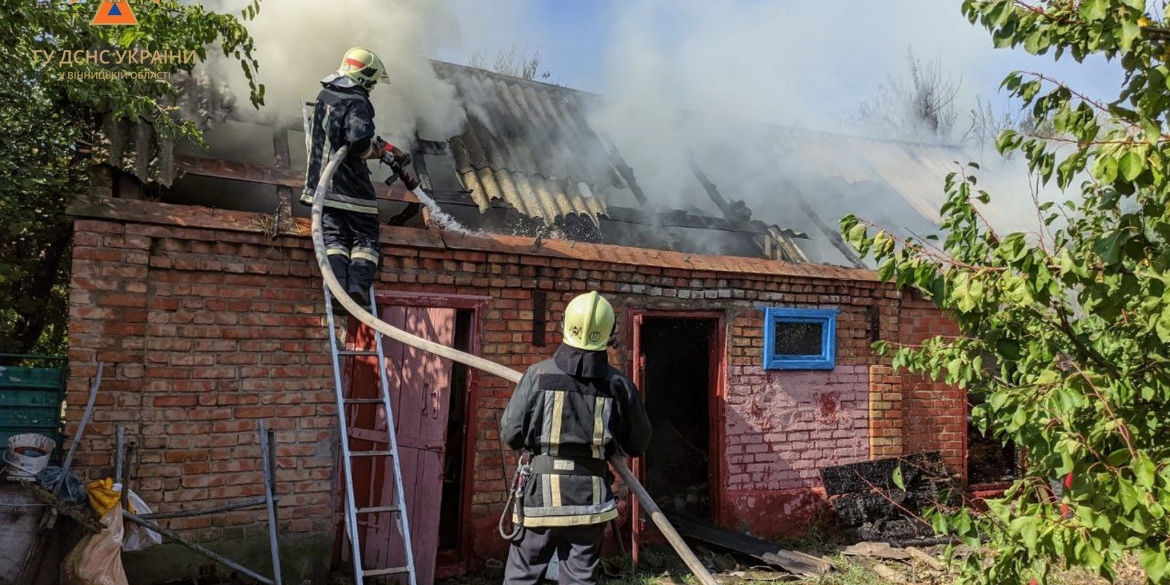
point(351, 243)
point(577, 548)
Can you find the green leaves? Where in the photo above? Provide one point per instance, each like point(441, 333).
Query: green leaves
point(45, 114)
point(1064, 331)
point(1130, 31)
point(1155, 563)
point(1092, 10)
point(1131, 165)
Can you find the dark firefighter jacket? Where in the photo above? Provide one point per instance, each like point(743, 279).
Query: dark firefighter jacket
point(578, 410)
point(343, 115)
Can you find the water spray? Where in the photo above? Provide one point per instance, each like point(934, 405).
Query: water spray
point(440, 217)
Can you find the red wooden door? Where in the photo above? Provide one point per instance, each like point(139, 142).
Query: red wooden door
point(419, 391)
point(639, 374)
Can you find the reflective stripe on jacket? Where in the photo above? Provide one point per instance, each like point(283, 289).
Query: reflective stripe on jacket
point(342, 116)
point(572, 417)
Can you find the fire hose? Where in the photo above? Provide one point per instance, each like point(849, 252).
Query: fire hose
point(364, 316)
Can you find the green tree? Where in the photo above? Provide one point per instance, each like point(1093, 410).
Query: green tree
point(49, 121)
point(1065, 331)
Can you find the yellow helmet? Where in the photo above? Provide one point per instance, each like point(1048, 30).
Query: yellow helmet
point(364, 67)
point(588, 322)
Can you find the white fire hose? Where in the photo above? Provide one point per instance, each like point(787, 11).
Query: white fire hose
point(363, 315)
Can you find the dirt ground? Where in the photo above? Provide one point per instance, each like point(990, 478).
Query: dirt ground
point(662, 567)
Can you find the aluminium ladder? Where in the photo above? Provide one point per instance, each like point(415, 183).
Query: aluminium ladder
point(352, 512)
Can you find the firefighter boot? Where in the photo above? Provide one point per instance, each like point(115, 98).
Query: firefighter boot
point(361, 274)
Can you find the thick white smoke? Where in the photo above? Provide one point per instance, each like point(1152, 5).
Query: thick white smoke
point(301, 41)
point(705, 76)
point(679, 77)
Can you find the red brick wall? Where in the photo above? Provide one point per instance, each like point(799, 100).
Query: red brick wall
point(204, 332)
point(934, 415)
point(885, 412)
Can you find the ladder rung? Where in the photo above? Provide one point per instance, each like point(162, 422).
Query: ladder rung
point(380, 572)
point(378, 510)
point(363, 401)
point(347, 353)
point(371, 453)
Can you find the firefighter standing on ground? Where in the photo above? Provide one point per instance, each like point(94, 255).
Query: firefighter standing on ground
point(573, 413)
point(343, 115)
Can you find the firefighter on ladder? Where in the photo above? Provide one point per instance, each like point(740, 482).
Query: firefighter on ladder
point(573, 413)
point(343, 115)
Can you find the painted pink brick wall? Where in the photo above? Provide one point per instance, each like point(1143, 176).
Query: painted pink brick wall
point(783, 426)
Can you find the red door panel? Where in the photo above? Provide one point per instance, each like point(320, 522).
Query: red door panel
point(419, 384)
point(421, 381)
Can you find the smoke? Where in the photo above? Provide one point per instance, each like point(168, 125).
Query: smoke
point(714, 79)
point(298, 42)
point(725, 79)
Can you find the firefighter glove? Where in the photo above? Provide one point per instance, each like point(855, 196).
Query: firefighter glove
point(392, 155)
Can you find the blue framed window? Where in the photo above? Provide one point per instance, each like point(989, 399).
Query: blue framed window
point(800, 339)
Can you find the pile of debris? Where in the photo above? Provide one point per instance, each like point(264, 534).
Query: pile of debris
point(903, 566)
point(884, 500)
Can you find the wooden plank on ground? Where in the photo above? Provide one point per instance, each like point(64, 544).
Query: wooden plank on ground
point(794, 562)
point(889, 574)
point(926, 559)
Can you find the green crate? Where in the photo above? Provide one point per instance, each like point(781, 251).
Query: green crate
point(30, 402)
point(22, 377)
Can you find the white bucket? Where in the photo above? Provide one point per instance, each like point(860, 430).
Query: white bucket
point(27, 455)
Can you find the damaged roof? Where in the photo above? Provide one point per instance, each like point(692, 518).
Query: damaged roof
point(528, 144)
point(528, 163)
point(135, 147)
point(822, 177)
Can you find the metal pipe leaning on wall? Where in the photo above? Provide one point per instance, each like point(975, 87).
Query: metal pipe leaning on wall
point(364, 316)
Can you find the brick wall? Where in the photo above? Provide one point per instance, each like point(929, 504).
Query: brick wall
point(934, 415)
point(781, 426)
point(885, 413)
point(206, 331)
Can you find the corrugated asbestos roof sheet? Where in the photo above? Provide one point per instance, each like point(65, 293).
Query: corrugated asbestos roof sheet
point(135, 147)
point(915, 171)
point(896, 184)
point(529, 145)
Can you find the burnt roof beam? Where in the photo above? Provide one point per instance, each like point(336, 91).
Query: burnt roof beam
point(736, 219)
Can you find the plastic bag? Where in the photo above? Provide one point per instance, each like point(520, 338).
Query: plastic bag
point(72, 492)
point(97, 559)
point(138, 537)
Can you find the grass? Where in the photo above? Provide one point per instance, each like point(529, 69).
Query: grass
point(849, 572)
point(660, 568)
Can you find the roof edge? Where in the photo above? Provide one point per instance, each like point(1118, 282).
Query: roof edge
point(198, 217)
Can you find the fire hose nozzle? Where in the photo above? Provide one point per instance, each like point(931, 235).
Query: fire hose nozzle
point(397, 172)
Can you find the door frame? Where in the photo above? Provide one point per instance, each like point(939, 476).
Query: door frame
point(717, 381)
point(478, 305)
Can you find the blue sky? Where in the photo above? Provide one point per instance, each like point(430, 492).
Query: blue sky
point(813, 60)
